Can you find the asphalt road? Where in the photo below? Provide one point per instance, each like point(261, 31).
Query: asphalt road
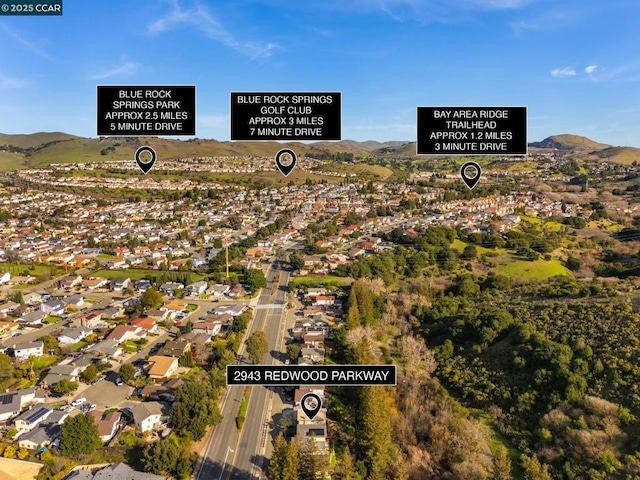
point(233, 455)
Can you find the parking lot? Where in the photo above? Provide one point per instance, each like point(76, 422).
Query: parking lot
point(106, 393)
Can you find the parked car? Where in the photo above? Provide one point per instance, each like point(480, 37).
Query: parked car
point(92, 407)
point(119, 381)
point(78, 401)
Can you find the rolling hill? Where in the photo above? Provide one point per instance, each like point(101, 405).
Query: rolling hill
point(41, 149)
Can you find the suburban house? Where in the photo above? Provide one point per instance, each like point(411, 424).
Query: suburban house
point(53, 307)
point(162, 367)
point(32, 299)
point(165, 392)
point(25, 350)
point(8, 308)
point(120, 284)
point(12, 403)
point(8, 327)
point(175, 348)
point(94, 283)
point(210, 328)
point(113, 312)
point(147, 323)
point(218, 290)
point(33, 318)
point(70, 281)
point(28, 420)
point(60, 372)
point(170, 288)
point(41, 436)
point(107, 426)
point(122, 333)
point(93, 320)
point(76, 300)
point(108, 348)
point(111, 472)
point(196, 288)
point(143, 285)
point(74, 335)
point(149, 415)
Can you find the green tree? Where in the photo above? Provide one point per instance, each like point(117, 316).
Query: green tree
point(127, 372)
point(79, 436)
point(348, 469)
point(296, 260)
point(375, 431)
point(195, 409)
point(240, 322)
point(6, 367)
point(50, 343)
point(533, 470)
point(293, 351)
point(501, 465)
point(257, 346)
point(151, 298)
point(469, 253)
point(161, 457)
point(281, 465)
point(65, 387)
point(255, 278)
point(90, 373)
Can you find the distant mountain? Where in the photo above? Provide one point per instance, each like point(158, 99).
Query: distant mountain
point(44, 148)
point(34, 140)
point(587, 149)
point(568, 142)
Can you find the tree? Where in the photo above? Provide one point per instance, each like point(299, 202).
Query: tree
point(375, 433)
point(6, 367)
point(279, 464)
point(65, 387)
point(195, 409)
point(469, 253)
point(347, 466)
point(161, 457)
point(501, 465)
point(240, 322)
point(79, 436)
point(151, 298)
point(293, 351)
point(257, 346)
point(255, 278)
point(533, 470)
point(127, 372)
point(90, 373)
point(296, 260)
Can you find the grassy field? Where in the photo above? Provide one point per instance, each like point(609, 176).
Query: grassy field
point(52, 319)
point(328, 281)
point(535, 270)
point(137, 274)
point(361, 170)
point(28, 269)
point(459, 246)
point(11, 161)
point(495, 439)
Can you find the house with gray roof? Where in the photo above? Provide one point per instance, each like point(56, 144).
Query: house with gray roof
point(117, 471)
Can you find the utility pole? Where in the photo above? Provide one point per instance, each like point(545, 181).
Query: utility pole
point(226, 248)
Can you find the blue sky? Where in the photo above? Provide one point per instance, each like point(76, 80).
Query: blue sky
point(574, 63)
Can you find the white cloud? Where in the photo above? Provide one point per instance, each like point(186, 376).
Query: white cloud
point(32, 46)
point(202, 19)
point(563, 72)
point(591, 69)
point(9, 82)
point(126, 69)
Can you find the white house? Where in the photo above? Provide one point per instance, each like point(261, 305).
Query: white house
point(148, 415)
point(55, 307)
point(23, 351)
point(74, 335)
point(5, 277)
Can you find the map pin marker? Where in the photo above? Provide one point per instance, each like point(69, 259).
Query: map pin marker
point(471, 173)
point(311, 404)
point(145, 166)
point(285, 161)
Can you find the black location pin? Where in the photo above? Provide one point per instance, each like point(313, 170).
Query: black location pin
point(311, 403)
point(145, 166)
point(471, 173)
point(285, 161)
